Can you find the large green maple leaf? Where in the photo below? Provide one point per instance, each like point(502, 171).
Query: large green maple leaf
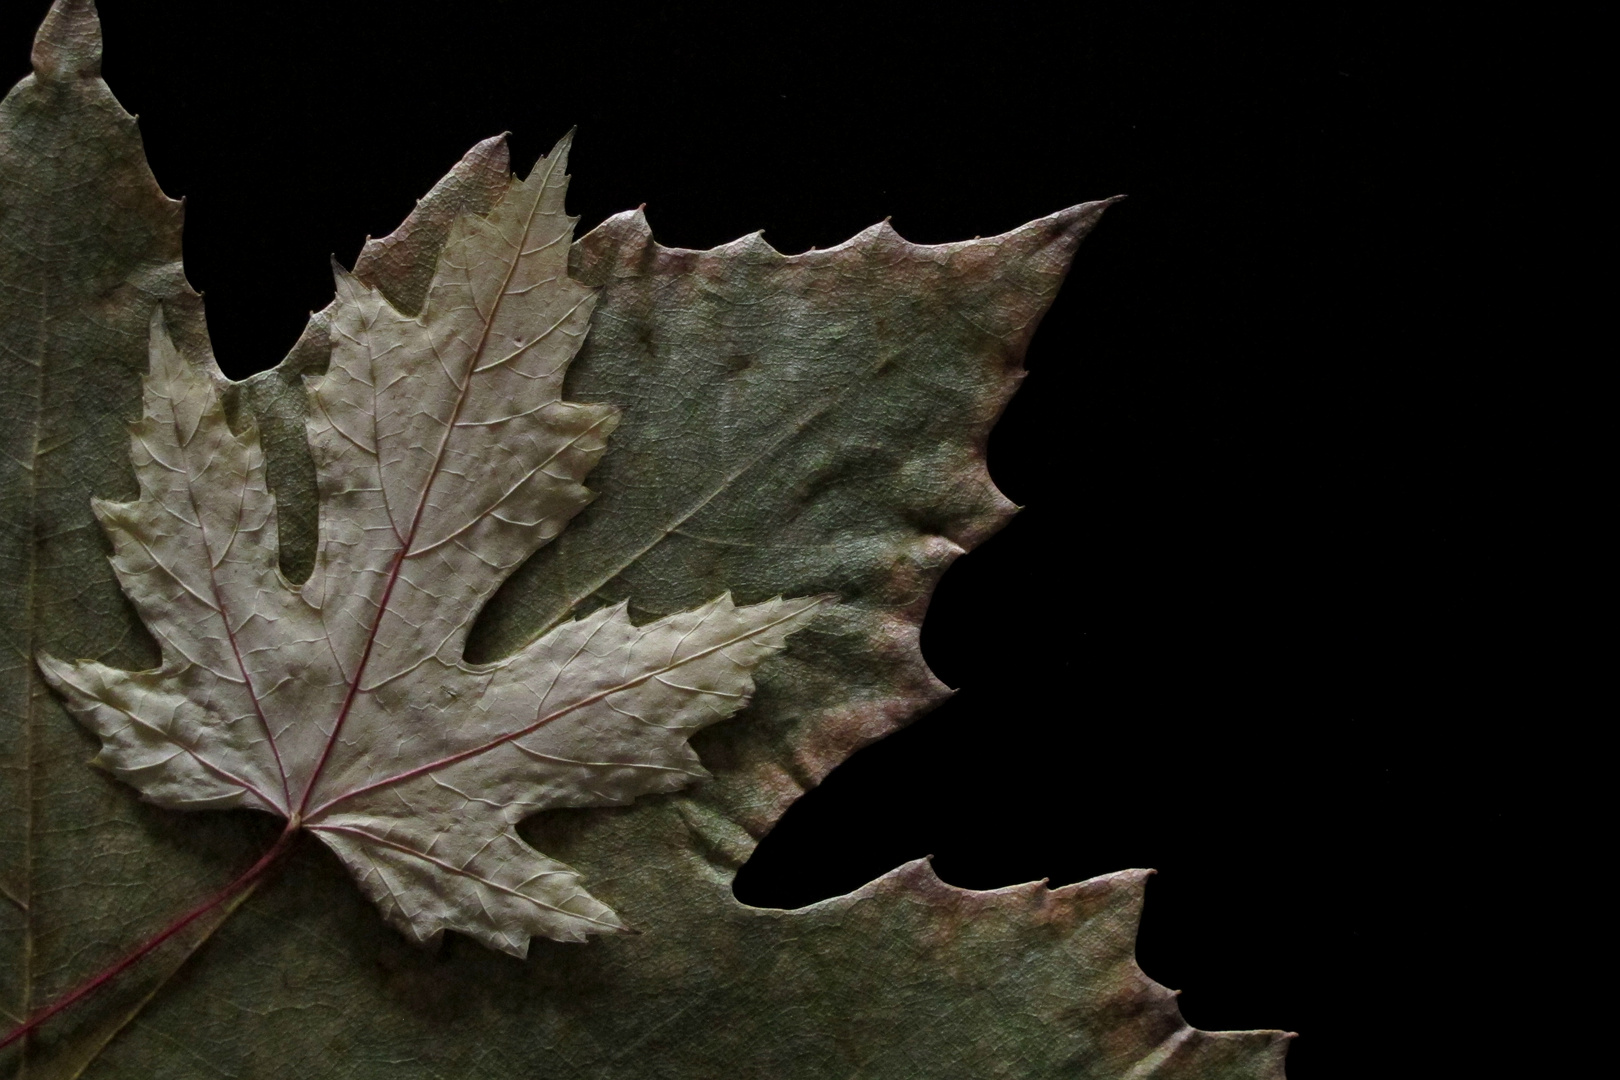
point(787, 426)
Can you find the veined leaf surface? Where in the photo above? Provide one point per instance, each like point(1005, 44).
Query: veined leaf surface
point(445, 456)
point(809, 426)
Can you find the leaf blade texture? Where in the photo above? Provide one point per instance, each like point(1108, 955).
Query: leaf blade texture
point(445, 455)
point(850, 461)
point(90, 247)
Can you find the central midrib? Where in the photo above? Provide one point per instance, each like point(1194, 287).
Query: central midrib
point(421, 504)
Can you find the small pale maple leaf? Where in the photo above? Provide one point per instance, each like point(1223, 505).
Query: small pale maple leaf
point(445, 456)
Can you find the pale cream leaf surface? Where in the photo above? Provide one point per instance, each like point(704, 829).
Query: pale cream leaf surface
point(445, 455)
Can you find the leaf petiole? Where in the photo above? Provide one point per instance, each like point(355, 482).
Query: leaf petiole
point(244, 881)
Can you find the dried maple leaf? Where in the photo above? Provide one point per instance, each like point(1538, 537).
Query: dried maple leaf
point(788, 426)
point(445, 456)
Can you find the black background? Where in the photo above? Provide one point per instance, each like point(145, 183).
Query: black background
point(1225, 637)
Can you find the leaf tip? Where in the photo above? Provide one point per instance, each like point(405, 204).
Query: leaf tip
point(1083, 217)
point(48, 665)
point(68, 42)
point(558, 157)
point(343, 280)
point(491, 156)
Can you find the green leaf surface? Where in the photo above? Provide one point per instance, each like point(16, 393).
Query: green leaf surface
point(88, 247)
point(789, 426)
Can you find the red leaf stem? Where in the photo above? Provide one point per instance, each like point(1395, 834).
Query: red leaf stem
point(242, 882)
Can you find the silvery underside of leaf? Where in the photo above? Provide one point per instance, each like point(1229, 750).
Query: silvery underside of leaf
point(445, 456)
